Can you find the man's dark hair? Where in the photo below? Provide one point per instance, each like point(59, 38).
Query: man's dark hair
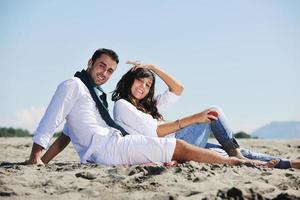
point(108, 52)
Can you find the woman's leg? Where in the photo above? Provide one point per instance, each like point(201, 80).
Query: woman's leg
point(196, 134)
point(224, 135)
point(282, 164)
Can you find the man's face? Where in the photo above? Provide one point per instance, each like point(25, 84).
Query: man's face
point(101, 70)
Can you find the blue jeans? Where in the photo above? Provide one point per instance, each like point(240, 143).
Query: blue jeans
point(198, 134)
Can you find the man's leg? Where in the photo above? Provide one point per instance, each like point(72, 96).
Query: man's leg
point(187, 152)
point(295, 164)
point(138, 149)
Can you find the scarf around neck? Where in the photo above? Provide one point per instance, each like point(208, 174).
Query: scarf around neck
point(85, 78)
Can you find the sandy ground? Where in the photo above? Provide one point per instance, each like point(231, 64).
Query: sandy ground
point(66, 178)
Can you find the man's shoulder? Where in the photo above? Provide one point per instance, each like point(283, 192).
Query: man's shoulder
point(73, 81)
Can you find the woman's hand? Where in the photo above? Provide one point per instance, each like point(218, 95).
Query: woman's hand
point(137, 64)
point(205, 116)
point(173, 85)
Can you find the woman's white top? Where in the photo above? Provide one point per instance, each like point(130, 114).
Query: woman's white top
point(137, 122)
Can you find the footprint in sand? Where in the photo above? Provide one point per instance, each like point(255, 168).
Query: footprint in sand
point(86, 175)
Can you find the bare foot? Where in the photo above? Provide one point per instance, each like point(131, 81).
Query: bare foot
point(236, 153)
point(272, 163)
point(259, 163)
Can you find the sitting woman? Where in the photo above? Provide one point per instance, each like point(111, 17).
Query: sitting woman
point(138, 112)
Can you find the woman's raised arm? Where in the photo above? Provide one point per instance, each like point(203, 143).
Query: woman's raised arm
point(173, 85)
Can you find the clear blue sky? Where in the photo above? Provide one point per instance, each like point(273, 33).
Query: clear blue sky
point(243, 56)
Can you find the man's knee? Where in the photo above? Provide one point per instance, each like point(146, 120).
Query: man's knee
point(181, 150)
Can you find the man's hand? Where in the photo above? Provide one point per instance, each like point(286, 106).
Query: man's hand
point(36, 161)
point(35, 156)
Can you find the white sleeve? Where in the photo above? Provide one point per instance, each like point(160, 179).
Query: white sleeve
point(133, 120)
point(165, 100)
point(66, 130)
point(60, 106)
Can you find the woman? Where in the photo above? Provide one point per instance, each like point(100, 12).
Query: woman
point(138, 112)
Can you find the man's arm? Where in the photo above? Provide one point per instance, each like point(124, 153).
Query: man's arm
point(59, 144)
point(61, 104)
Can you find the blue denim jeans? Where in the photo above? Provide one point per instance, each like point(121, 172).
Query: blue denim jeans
point(198, 134)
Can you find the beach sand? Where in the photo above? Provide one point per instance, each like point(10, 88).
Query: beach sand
point(66, 178)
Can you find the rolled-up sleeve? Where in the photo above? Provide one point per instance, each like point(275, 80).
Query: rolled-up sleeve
point(165, 100)
point(133, 120)
point(60, 106)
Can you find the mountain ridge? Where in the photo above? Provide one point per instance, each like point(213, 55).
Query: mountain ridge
point(278, 130)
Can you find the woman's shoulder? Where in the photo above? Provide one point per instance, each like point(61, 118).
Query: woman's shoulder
point(121, 103)
point(123, 107)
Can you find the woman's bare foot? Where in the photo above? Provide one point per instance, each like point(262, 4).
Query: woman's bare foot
point(268, 164)
point(272, 163)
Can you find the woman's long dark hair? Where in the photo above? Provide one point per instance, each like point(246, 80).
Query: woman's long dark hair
point(123, 91)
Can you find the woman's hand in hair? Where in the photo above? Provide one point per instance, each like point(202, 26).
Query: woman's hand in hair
point(137, 64)
point(173, 85)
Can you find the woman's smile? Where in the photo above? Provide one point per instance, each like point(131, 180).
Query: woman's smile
point(140, 87)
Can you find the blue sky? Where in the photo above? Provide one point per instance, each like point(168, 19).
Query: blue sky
point(243, 56)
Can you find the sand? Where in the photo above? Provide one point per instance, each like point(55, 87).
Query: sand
point(66, 178)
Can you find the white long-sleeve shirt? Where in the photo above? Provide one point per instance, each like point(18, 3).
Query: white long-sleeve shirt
point(84, 125)
point(137, 122)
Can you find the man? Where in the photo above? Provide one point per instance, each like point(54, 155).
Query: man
point(95, 135)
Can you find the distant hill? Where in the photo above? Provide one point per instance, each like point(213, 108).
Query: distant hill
point(279, 130)
point(12, 132)
point(17, 132)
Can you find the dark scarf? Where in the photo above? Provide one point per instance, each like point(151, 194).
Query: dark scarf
point(84, 77)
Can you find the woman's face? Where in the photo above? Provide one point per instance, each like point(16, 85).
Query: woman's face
point(140, 88)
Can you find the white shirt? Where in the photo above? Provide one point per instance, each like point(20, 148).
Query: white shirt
point(84, 125)
point(137, 122)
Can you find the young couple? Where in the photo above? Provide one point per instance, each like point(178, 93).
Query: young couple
point(97, 138)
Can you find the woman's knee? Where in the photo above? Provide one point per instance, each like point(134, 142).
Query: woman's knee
point(217, 108)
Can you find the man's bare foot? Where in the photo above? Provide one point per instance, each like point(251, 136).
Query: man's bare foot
point(236, 153)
